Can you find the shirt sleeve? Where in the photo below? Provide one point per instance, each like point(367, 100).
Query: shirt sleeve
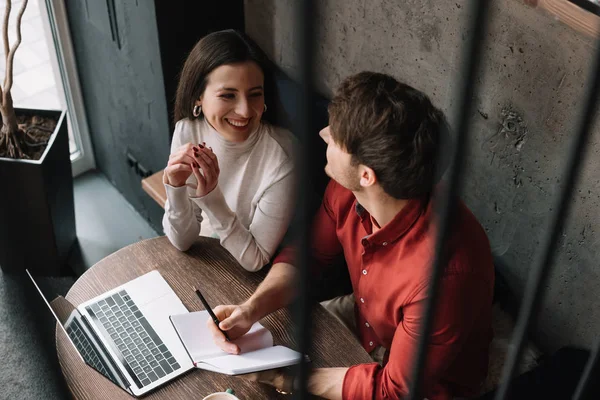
point(182, 218)
point(453, 324)
point(325, 246)
point(253, 247)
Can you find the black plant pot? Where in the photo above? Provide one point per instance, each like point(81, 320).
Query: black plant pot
point(37, 212)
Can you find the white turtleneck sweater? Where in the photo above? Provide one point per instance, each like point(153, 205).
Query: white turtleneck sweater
point(251, 206)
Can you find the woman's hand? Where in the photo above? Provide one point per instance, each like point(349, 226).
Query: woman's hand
point(198, 160)
point(205, 169)
point(179, 167)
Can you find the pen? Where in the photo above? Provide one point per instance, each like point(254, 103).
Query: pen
point(211, 313)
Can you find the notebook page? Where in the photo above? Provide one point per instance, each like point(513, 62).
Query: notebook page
point(197, 339)
point(267, 358)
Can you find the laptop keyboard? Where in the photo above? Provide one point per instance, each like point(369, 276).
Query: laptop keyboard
point(87, 351)
point(144, 353)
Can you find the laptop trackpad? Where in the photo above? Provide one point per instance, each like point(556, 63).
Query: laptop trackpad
point(147, 288)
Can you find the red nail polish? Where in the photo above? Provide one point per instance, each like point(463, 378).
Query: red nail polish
point(195, 148)
point(200, 146)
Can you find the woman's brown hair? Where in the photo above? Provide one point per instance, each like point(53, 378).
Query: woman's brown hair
point(212, 51)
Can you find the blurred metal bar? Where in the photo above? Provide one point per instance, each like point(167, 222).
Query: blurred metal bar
point(541, 267)
point(445, 200)
point(304, 15)
point(591, 370)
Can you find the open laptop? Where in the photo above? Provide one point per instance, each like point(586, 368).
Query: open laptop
point(125, 333)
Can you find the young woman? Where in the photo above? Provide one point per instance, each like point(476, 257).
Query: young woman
point(227, 165)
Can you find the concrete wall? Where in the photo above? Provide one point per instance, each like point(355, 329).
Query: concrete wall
point(122, 84)
point(531, 86)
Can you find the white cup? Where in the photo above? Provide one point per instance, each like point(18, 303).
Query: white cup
point(221, 396)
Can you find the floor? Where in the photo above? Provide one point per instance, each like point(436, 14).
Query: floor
point(105, 222)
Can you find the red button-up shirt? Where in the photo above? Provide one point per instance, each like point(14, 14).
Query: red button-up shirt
point(390, 271)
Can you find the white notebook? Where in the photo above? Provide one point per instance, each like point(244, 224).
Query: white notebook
point(257, 352)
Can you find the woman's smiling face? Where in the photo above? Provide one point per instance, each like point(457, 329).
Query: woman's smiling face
point(233, 101)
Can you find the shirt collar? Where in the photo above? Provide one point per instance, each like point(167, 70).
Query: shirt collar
point(399, 225)
point(360, 210)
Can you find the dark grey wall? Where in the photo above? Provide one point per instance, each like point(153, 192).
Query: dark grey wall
point(129, 53)
point(181, 23)
point(122, 85)
point(534, 73)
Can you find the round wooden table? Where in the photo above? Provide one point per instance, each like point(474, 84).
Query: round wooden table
point(223, 281)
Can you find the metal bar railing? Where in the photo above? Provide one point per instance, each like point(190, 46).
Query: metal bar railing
point(539, 273)
point(305, 13)
point(591, 369)
point(445, 199)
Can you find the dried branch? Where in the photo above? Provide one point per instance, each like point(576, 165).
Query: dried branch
point(8, 80)
point(5, 27)
point(5, 36)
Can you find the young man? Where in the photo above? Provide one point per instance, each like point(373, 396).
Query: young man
point(376, 211)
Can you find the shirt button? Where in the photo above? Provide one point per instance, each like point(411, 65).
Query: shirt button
point(362, 300)
point(367, 324)
point(364, 271)
point(365, 242)
point(384, 243)
point(370, 343)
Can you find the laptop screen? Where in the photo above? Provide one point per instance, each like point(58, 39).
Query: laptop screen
point(79, 333)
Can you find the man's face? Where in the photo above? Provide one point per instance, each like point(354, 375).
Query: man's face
point(339, 163)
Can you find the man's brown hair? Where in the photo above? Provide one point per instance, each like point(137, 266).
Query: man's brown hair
point(391, 128)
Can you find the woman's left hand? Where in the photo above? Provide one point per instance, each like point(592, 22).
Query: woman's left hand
point(206, 171)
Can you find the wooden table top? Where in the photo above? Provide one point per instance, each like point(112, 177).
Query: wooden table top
point(223, 281)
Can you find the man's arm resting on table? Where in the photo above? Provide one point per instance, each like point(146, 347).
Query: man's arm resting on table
point(327, 382)
point(323, 382)
point(276, 291)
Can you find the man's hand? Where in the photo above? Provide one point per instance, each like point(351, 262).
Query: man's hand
point(323, 382)
point(276, 291)
point(279, 378)
point(235, 320)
